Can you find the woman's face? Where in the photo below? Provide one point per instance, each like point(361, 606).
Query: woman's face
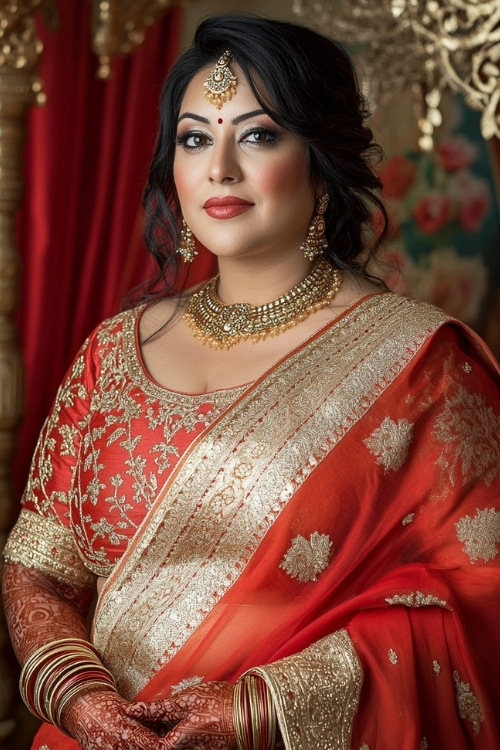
point(242, 181)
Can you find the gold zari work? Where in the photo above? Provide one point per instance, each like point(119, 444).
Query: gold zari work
point(416, 599)
point(481, 534)
point(305, 560)
point(392, 656)
point(43, 544)
point(333, 667)
point(222, 326)
point(467, 703)
point(390, 442)
point(470, 432)
point(250, 487)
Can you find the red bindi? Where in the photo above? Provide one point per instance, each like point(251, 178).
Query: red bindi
point(220, 120)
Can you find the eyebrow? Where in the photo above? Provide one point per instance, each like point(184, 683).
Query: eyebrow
point(234, 121)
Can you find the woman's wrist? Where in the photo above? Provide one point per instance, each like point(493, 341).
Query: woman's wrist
point(58, 672)
point(254, 715)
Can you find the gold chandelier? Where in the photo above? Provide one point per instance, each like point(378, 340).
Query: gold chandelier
point(426, 45)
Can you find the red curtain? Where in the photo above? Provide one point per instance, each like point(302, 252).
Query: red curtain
point(86, 160)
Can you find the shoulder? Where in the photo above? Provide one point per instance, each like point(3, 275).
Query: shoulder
point(105, 347)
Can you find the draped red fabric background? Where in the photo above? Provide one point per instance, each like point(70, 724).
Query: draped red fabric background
point(86, 158)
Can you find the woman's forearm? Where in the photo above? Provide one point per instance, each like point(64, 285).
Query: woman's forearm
point(40, 609)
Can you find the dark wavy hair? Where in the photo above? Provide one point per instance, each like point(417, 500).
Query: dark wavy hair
point(308, 85)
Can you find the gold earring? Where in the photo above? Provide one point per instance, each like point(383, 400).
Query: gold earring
point(187, 248)
point(315, 241)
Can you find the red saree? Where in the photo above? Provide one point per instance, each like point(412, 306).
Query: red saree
point(335, 528)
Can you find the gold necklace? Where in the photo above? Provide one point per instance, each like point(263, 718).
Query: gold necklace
point(222, 326)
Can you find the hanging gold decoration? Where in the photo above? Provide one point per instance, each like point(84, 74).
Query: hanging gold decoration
point(425, 45)
point(119, 26)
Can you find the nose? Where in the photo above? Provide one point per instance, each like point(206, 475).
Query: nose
point(224, 165)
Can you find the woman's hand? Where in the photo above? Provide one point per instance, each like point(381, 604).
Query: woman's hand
point(203, 716)
point(97, 720)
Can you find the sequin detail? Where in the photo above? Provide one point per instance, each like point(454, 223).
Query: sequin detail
point(408, 519)
point(185, 684)
point(416, 599)
point(392, 656)
point(481, 534)
point(390, 442)
point(305, 560)
point(467, 703)
point(324, 681)
point(436, 666)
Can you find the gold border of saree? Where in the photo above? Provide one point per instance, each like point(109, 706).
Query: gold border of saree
point(238, 476)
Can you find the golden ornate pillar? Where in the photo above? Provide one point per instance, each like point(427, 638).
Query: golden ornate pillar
point(19, 89)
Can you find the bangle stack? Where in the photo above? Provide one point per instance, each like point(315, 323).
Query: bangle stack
point(253, 714)
point(58, 671)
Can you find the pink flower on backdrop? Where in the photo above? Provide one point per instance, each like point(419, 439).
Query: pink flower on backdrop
point(398, 176)
point(455, 152)
point(432, 212)
point(473, 198)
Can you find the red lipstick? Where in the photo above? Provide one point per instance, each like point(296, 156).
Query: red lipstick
point(226, 208)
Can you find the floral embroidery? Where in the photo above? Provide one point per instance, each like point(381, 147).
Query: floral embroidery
point(306, 559)
point(185, 684)
point(436, 666)
point(468, 704)
point(467, 368)
point(424, 744)
point(389, 443)
point(112, 414)
point(408, 519)
point(470, 431)
point(364, 746)
point(393, 657)
point(481, 534)
point(416, 599)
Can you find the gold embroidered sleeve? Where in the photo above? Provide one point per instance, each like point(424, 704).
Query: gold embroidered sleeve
point(44, 544)
point(316, 693)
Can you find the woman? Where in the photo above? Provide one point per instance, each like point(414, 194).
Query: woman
point(287, 509)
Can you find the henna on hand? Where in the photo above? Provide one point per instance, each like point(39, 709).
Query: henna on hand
point(98, 721)
point(204, 716)
point(40, 609)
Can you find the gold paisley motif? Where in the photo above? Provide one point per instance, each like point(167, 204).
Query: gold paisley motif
point(470, 432)
point(392, 656)
point(481, 534)
point(305, 560)
point(467, 703)
point(390, 442)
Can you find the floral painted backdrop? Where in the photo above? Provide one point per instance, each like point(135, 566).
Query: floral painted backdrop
point(444, 206)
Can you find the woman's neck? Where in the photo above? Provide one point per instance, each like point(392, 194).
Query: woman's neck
point(257, 280)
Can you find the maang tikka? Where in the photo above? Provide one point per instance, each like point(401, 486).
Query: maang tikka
point(315, 242)
point(187, 248)
point(221, 83)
